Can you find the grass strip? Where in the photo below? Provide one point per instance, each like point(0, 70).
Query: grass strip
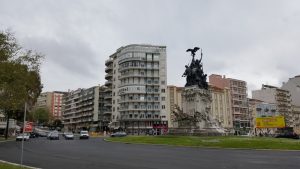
point(10, 166)
point(215, 141)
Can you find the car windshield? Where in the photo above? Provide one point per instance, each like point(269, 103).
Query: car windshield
point(84, 132)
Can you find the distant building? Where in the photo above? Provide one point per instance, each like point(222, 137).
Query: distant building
point(173, 100)
point(293, 86)
point(296, 118)
point(239, 105)
point(81, 109)
point(221, 106)
point(12, 125)
point(252, 105)
point(53, 101)
point(281, 98)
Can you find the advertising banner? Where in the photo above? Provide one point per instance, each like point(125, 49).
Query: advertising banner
point(270, 122)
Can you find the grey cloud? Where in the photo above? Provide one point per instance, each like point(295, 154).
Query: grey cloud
point(256, 41)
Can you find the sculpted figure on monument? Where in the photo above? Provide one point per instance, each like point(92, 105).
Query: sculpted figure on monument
point(194, 72)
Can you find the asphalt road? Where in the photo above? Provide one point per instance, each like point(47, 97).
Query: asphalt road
point(96, 153)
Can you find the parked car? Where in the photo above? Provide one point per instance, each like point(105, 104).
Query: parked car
point(22, 136)
point(33, 135)
point(42, 134)
point(287, 135)
point(119, 134)
point(68, 135)
point(84, 135)
point(53, 135)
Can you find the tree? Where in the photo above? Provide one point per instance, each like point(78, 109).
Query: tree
point(41, 115)
point(20, 81)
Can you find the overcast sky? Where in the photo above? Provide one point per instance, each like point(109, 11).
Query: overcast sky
point(256, 41)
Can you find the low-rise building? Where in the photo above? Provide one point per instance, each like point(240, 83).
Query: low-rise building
point(252, 105)
point(173, 100)
point(221, 109)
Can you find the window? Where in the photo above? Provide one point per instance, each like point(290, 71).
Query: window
point(163, 82)
point(163, 98)
point(163, 106)
point(163, 90)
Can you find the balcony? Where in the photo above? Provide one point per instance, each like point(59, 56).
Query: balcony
point(107, 104)
point(138, 67)
point(108, 83)
point(108, 76)
point(107, 112)
point(108, 61)
point(108, 97)
point(108, 69)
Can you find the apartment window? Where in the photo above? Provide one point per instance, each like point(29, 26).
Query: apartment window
point(163, 98)
point(163, 82)
point(163, 106)
point(163, 90)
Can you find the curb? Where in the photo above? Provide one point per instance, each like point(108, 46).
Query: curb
point(215, 148)
point(15, 164)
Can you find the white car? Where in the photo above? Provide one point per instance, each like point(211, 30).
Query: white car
point(24, 136)
point(119, 134)
point(69, 135)
point(84, 135)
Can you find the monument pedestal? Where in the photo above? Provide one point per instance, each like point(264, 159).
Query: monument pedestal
point(196, 102)
point(196, 118)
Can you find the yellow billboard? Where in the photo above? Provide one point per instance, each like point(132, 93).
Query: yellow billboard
point(270, 122)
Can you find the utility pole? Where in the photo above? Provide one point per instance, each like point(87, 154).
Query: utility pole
point(22, 148)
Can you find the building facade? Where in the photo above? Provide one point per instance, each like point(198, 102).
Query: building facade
point(293, 86)
point(138, 84)
point(281, 98)
point(52, 101)
point(81, 109)
point(221, 109)
point(173, 100)
point(252, 105)
point(239, 105)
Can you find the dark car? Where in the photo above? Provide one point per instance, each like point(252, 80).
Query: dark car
point(287, 135)
point(53, 136)
point(33, 135)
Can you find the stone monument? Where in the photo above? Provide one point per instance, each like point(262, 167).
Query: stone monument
point(195, 118)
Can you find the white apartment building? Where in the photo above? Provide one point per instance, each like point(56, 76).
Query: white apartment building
point(81, 109)
point(137, 76)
